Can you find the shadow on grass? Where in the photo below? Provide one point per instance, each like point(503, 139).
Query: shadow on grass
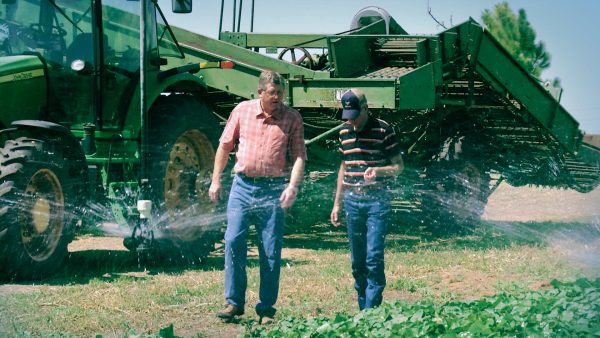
point(81, 267)
point(406, 236)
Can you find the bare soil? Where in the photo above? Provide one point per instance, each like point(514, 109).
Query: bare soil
point(533, 204)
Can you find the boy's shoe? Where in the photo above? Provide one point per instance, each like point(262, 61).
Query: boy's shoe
point(266, 320)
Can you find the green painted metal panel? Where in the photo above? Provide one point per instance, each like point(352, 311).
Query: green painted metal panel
point(504, 72)
point(470, 35)
point(199, 48)
point(589, 154)
point(249, 40)
point(417, 88)
point(381, 93)
point(423, 54)
point(14, 65)
point(240, 81)
point(18, 75)
point(376, 28)
point(449, 45)
point(351, 55)
point(238, 39)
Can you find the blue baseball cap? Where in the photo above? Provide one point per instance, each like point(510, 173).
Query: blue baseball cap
point(351, 106)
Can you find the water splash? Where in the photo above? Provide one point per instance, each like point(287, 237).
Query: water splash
point(581, 245)
point(187, 224)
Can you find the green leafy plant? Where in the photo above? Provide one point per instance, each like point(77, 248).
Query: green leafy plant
point(566, 310)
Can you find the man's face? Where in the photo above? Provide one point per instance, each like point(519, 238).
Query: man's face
point(360, 120)
point(271, 97)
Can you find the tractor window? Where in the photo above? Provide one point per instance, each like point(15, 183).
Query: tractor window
point(121, 20)
point(167, 43)
point(120, 24)
point(44, 27)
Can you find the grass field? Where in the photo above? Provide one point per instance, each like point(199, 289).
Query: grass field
point(101, 290)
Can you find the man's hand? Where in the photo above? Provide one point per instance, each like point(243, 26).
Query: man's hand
point(215, 192)
point(335, 216)
point(370, 174)
point(288, 196)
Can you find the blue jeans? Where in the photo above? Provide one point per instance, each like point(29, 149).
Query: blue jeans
point(366, 217)
point(254, 202)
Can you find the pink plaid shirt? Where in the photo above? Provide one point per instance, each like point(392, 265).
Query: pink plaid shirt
point(266, 147)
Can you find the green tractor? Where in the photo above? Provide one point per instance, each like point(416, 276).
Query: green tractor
point(77, 144)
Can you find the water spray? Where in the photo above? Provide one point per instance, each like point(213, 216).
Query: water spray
point(142, 236)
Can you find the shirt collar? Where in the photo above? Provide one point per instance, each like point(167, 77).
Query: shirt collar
point(368, 125)
point(276, 114)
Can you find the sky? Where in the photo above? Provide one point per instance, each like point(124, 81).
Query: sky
point(567, 27)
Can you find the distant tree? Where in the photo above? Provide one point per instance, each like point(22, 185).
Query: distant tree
point(515, 33)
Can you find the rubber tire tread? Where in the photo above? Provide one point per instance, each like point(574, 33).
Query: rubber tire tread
point(19, 160)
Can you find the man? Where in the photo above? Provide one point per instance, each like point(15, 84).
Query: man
point(270, 140)
point(370, 156)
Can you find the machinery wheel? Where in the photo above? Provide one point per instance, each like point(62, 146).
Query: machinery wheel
point(305, 56)
point(37, 194)
point(183, 135)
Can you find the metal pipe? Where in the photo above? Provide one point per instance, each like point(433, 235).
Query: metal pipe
point(239, 22)
point(144, 204)
point(234, 7)
point(143, 113)
point(252, 18)
point(323, 135)
point(221, 18)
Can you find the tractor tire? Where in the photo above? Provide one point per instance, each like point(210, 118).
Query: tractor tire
point(39, 192)
point(183, 139)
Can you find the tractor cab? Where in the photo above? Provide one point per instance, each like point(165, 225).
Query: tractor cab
point(86, 53)
point(48, 34)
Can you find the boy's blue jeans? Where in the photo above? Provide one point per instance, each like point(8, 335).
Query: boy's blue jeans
point(366, 217)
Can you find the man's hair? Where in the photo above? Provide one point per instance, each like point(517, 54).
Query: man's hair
point(272, 77)
point(362, 99)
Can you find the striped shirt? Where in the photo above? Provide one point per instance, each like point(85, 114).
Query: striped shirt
point(374, 146)
point(266, 146)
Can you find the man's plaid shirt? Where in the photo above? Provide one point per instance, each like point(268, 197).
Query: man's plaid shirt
point(266, 146)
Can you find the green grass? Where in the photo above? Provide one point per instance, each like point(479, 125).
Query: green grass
point(107, 293)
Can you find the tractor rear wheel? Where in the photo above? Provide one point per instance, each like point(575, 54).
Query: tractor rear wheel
point(37, 194)
point(183, 134)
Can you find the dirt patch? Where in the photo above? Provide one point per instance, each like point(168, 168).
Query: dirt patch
point(22, 288)
point(533, 204)
point(457, 279)
point(97, 243)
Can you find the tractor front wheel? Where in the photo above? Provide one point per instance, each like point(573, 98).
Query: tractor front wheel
point(36, 215)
